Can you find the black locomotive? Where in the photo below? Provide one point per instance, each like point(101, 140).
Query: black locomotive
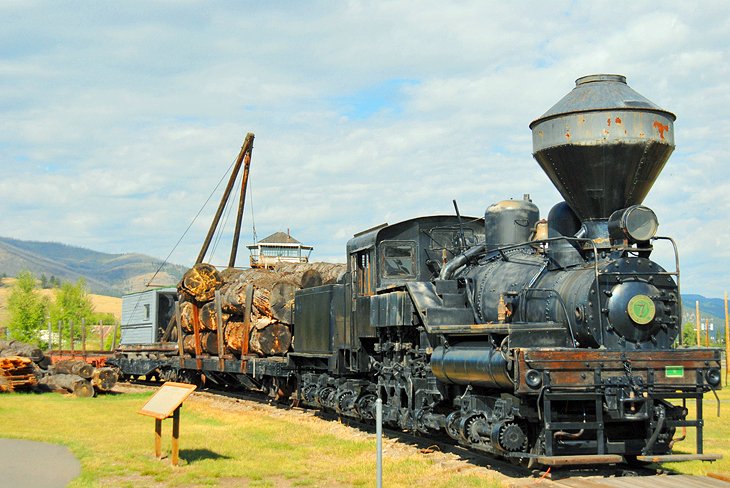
point(547, 341)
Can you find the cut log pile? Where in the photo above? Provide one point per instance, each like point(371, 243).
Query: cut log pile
point(271, 314)
point(17, 374)
point(22, 367)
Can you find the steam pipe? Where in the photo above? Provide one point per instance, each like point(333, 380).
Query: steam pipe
point(460, 260)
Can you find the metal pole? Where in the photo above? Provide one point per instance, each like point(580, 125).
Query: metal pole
point(60, 337)
point(224, 200)
point(241, 203)
point(379, 442)
point(50, 335)
point(707, 332)
point(697, 320)
point(727, 341)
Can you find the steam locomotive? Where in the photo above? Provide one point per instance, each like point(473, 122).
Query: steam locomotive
point(542, 341)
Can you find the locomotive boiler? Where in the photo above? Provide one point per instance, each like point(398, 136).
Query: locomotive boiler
point(544, 341)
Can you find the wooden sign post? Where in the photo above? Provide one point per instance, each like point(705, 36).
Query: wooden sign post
point(164, 404)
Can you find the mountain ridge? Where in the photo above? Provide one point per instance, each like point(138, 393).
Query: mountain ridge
point(105, 274)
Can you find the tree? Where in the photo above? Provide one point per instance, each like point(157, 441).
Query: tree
point(72, 304)
point(44, 281)
point(28, 309)
point(689, 335)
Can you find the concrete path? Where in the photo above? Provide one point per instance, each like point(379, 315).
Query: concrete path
point(36, 464)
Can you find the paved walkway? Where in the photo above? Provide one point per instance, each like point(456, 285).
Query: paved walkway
point(36, 464)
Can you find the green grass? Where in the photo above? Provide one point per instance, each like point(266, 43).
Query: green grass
point(716, 437)
point(257, 448)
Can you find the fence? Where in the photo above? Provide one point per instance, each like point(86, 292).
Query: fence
point(81, 333)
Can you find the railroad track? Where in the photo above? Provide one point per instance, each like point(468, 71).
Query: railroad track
point(621, 475)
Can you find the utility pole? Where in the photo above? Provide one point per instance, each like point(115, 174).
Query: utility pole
point(697, 320)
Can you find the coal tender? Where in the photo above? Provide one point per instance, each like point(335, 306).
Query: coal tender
point(544, 341)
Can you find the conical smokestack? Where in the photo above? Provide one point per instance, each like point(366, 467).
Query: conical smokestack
point(603, 145)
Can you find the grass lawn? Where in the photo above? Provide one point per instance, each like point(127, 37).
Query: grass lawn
point(716, 436)
point(224, 444)
point(252, 446)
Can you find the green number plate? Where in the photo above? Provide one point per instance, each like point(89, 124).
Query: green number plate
point(674, 371)
point(641, 309)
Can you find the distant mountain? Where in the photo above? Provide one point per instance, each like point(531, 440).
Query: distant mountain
point(105, 274)
point(708, 306)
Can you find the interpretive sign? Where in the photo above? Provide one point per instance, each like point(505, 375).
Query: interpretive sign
point(164, 404)
point(167, 399)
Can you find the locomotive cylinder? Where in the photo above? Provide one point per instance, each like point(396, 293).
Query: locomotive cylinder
point(475, 363)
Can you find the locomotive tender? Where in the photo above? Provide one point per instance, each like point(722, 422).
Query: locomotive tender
point(539, 341)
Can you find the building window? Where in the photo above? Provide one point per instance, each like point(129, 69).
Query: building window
point(147, 311)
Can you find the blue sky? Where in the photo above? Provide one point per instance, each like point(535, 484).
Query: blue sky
point(118, 119)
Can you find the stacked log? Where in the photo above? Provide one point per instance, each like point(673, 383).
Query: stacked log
point(17, 374)
point(17, 348)
point(208, 343)
point(25, 371)
point(104, 379)
point(200, 282)
point(73, 366)
point(71, 383)
point(272, 312)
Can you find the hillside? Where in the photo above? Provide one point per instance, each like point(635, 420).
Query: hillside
point(708, 306)
point(105, 274)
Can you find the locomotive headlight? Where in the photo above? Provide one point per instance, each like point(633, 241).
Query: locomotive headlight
point(533, 378)
point(636, 223)
point(713, 376)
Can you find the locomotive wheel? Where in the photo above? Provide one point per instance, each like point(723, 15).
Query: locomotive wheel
point(278, 389)
point(192, 377)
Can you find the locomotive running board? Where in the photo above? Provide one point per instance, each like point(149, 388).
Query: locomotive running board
point(580, 459)
point(669, 458)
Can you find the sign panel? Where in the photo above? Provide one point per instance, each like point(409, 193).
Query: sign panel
point(674, 371)
point(167, 399)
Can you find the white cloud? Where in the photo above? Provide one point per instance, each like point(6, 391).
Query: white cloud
point(119, 119)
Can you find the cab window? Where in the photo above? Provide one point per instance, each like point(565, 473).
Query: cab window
point(398, 259)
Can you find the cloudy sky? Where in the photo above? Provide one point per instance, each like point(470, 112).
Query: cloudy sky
point(118, 119)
